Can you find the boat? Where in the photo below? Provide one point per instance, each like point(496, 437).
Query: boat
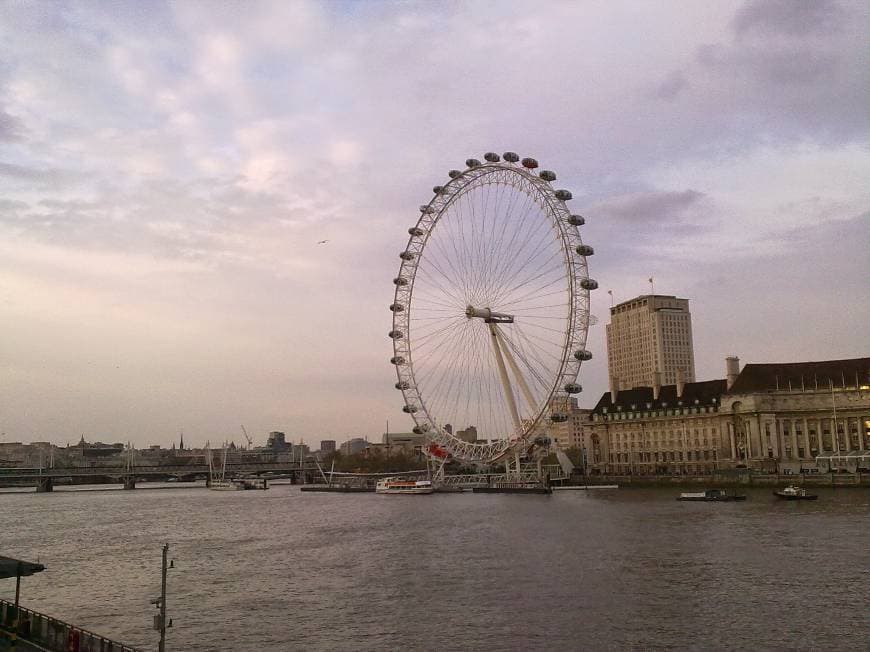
point(793, 492)
point(711, 496)
point(402, 486)
point(217, 480)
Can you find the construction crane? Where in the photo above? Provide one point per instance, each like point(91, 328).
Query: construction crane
point(248, 437)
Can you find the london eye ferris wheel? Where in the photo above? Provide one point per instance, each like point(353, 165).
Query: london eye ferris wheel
point(491, 310)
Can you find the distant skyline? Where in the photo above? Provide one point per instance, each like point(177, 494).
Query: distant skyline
point(202, 203)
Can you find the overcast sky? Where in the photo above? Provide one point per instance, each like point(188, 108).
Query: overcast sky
point(166, 171)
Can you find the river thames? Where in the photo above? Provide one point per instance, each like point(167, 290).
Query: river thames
point(599, 570)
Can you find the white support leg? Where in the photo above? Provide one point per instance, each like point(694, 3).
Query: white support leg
point(521, 381)
point(505, 383)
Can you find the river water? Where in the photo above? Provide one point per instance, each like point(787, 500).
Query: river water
point(599, 570)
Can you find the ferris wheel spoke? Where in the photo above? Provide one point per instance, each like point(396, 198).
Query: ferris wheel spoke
point(451, 298)
point(434, 337)
point(534, 293)
point(529, 270)
point(506, 254)
point(522, 246)
point(441, 254)
point(499, 241)
point(450, 281)
point(441, 386)
point(427, 301)
point(528, 355)
point(540, 343)
point(542, 276)
point(512, 303)
point(544, 307)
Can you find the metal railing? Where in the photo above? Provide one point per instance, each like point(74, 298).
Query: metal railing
point(55, 634)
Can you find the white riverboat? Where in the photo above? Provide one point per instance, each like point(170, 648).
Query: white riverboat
point(402, 486)
point(793, 492)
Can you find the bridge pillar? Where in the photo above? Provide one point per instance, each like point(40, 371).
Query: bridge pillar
point(44, 485)
point(129, 482)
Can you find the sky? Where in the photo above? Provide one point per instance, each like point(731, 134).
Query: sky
point(167, 170)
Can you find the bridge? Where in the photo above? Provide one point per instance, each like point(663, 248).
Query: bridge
point(44, 479)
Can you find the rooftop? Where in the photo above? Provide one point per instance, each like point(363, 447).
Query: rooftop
point(703, 392)
point(797, 375)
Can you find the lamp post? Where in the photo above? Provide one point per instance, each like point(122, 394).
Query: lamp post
point(160, 619)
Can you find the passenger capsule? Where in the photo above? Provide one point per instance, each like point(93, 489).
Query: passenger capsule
point(409, 409)
point(427, 209)
point(453, 174)
point(511, 157)
point(492, 157)
point(438, 190)
point(564, 195)
point(417, 430)
point(583, 354)
point(588, 284)
point(396, 335)
point(529, 163)
point(416, 231)
point(397, 307)
point(407, 255)
point(472, 163)
point(576, 220)
point(397, 360)
point(585, 250)
point(403, 384)
point(547, 175)
point(558, 418)
point(573, 388)
point(400, 280)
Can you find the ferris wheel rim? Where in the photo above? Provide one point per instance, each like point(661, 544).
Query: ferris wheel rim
point(552, 202)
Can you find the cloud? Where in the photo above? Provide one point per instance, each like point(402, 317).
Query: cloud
point(671, 86)
point(167, 172)
point(784, 17)
point(11, 128)
point(659, 207)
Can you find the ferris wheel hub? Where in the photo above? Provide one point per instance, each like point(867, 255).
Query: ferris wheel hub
point(488, 315)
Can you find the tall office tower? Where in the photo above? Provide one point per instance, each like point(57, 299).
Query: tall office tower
point(649, 334)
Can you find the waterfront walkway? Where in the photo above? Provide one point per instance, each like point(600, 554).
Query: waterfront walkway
point(42, 633)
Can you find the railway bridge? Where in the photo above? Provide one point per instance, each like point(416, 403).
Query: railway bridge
point(44, 479)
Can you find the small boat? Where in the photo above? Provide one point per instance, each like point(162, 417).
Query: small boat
point(711, 496)
point(224, 485)
point(793, 492)
point(401, 486)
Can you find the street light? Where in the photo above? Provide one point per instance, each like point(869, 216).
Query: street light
point(160, 623)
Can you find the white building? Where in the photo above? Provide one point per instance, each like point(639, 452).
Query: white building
point(649, 334)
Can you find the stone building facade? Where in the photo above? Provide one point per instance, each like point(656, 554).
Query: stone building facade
point(792, 413)
point(769, 417)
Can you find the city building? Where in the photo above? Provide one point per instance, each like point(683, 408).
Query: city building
point(647, 335)
point(353, 446)
point(327, 446)
point(405, 441)
point(666, 429)
point(277, 441)
point(789, 414)
point(468, 435)
point(768, 417)
point(568, 433)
